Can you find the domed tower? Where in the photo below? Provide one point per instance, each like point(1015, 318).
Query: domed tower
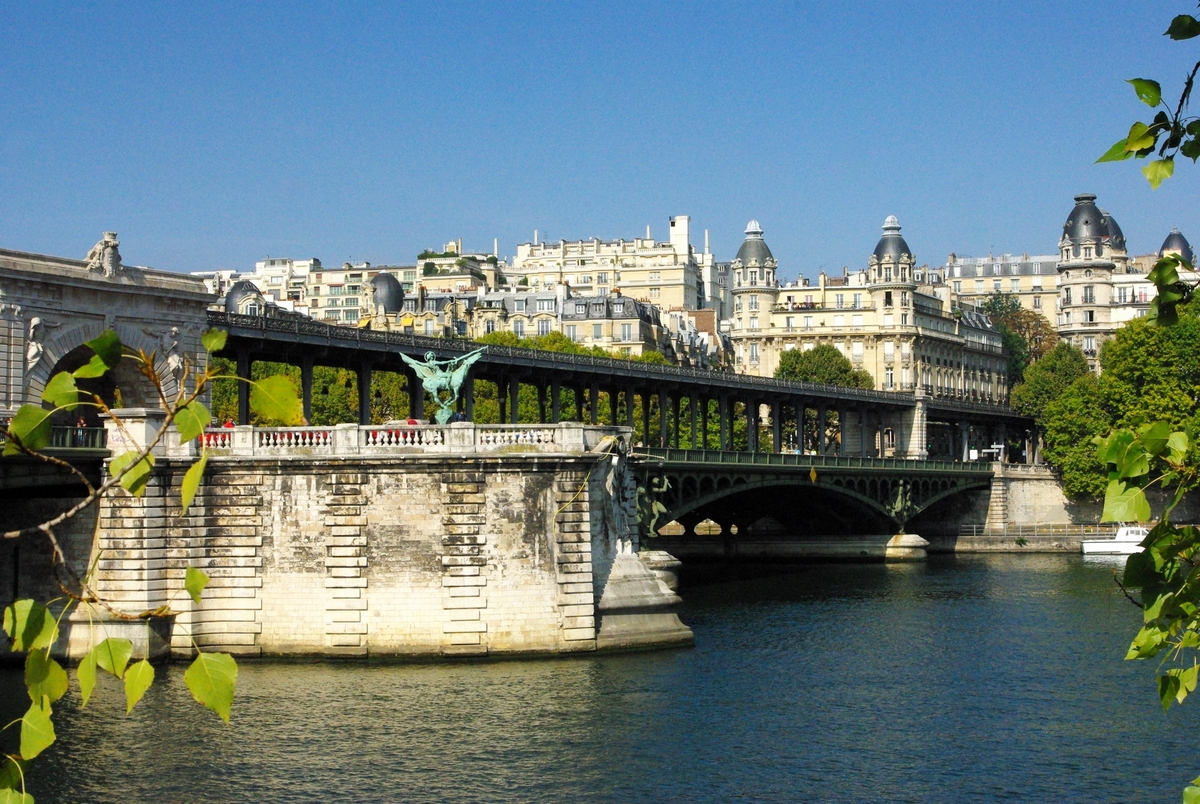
point(1116, 243)
point(755, 291)
point(1090, 246)
point(387, 295)
point(244, 298)
point(1176, 243)
point(890, 269)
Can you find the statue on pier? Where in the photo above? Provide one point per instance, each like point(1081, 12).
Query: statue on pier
point(447, 376)
point(105, 256)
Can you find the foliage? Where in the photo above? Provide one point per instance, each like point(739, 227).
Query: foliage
point(1071, 422)
point(1026, 335)
point(430, 254)
point(822, 364)
point(1046, 380)
point(32, 626)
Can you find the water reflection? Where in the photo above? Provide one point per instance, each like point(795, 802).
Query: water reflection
point(968, 679)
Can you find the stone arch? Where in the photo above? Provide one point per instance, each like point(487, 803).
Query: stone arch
point(836, 486)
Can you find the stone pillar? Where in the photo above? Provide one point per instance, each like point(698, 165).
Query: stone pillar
point(910, 430)
point(555, 401)
point(514, 395)
point(723, 423)
point(776, 427)
point(541, 394)
point(630, 395)
point(862, 431)
point(469, 397)
point(752, 425)
point(821, 435)
point(306, 377)
point(693, 403)
point(613, 418)
point(579, 403)
point(243, 372)
point(965, 429)
point(594, 403)
point(416, 397)
point(662, 418)
point(502, 398)
point(364, 392)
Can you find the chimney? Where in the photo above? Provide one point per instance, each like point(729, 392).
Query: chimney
point(647, 231)
point(535, 234)
point(706, 241)
point(496, 247)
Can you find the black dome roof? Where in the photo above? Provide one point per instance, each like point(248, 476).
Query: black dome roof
point(1116, 236)
point(754, 249)
point(1086, 221)
point(1177, 242)
point(388, 293)
point(238, 291)
point(892, 245)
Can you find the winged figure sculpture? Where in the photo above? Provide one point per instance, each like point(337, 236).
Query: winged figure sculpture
point(444, 378)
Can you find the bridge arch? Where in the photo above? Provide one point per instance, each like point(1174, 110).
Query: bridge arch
point(739, 486)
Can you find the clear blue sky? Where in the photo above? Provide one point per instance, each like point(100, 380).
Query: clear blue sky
point(209, 136)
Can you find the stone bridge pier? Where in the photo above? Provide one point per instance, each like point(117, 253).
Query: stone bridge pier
point(458, 540)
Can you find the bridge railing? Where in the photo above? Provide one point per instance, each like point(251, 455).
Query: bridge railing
point(396, 439)
point(66, 437)
point(718, 457)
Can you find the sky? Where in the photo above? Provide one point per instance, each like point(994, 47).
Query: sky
point(213, 135)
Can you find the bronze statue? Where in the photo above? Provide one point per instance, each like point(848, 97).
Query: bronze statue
point(444, 375)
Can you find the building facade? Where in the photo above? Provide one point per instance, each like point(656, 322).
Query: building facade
point(891, 320)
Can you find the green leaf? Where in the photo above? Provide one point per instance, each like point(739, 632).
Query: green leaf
point(1149, 92)
point(107, 347)
point(1191, 794)
point(1134, 462)
point(14, 796)
point(113, 654)
point(191, 419)
point(86, 673)
point(1158, 171)
point(1185, 26)
point(138, 679)
point(1154, 437)
point(1124, 504)
point(211, 678)
point(1140, 138)
point(275, 398)
point(1187, 682)
point(93, 368)
point(214, 340)
point(61, 392)
point(31, 426)
point(134, 481)
point(191, 482)
point(1117, 153)
point(44, 677)
point(37, 730)
point(1168, 686)
point(1177, 445)
point(30, 625)
point(194, 581)
point(1191, 148)
point(12, 770)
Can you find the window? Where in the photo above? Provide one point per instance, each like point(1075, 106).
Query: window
point(350, 302)
point(887, 274)
point(429, 325)
point(572, 332)
point(519, 305)
point(1089, 345)
point(789, 321)
point(430, 305)
point(839, 320)
point(597, 331)
point(1014, 284)
point(315, 303)
point(585, 280)
point(979, 286)
point(545, 305)
point(839, 300)
point(753, 278)
point(808, 322)
point(519, 329)
point(489, 326)
point(1089, 316)
point(753, 302)
point(627, 332)
point(889, 320)
point(353, 289)
point(1089, 294)
point(602, 278)
point(1037, 302)
point(316, 291)
point(889, 378)
point(350, 315)
point(857, 300)
point(619, 308)
point(1122, 295)
point(1067, 317)
point(333, 303)
point(889, 350)
point(655, 292)
point(995, 285)
point(887, 299)
point(337, 290)
point(543, 326)
point(754, 353)
point(904, 298)
point(996, 269)
point(1066, 295)
point(753, 322)
point(856, 321)
point(655, 276)
point(857, 351)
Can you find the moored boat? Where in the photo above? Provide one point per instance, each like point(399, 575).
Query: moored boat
point(1127, 542)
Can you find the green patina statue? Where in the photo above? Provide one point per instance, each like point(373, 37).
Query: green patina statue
point(446, 376)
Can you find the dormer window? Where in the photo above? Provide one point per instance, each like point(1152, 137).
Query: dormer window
point(1087, 252)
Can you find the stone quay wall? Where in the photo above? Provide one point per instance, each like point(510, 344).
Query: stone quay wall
point(497, 547)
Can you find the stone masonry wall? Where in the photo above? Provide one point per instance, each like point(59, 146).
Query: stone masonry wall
point(418, 556)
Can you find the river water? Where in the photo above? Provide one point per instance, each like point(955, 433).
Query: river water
point(970, 678)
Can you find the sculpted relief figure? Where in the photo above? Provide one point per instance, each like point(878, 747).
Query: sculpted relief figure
point(104, 257)
point(168, 349)
point(33, 343)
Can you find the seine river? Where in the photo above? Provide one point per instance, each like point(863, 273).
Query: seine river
point(964, 679)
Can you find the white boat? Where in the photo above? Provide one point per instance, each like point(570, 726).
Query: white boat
point(1127, 542)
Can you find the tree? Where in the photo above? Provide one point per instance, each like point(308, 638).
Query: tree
point(1046, 380)
point(1073, 421)
point(822, 364)
point(1026, 335)
point(33, 626)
